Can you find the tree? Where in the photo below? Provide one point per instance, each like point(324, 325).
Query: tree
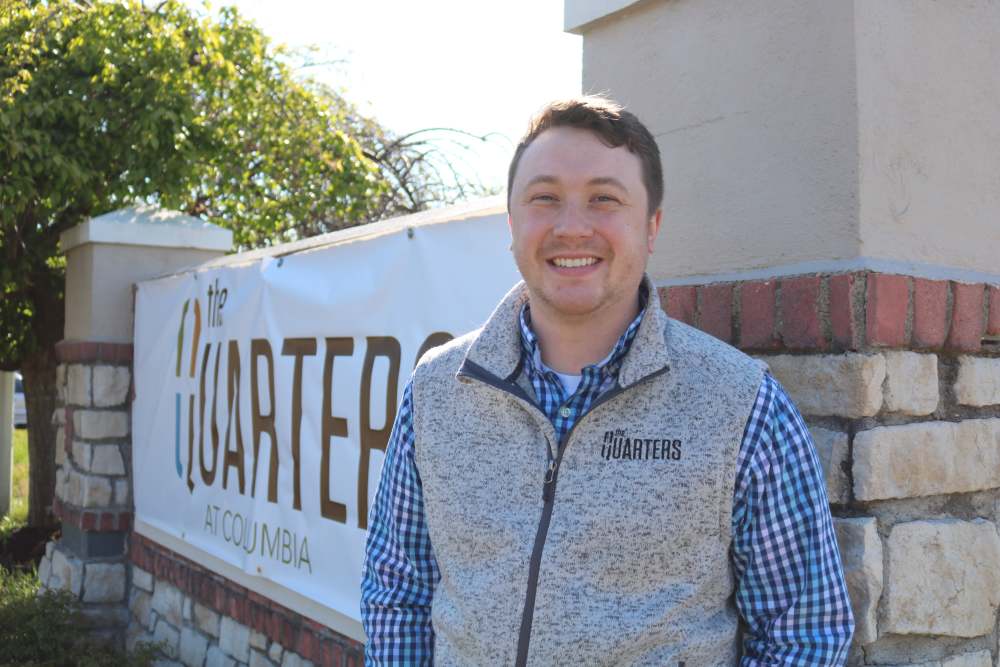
point(103, 103)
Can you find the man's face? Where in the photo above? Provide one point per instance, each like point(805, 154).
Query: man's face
point(578, 218)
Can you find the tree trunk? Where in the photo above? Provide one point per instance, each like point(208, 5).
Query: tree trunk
point(39, 371)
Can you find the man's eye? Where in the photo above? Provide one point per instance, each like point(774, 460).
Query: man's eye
point(606, 199)
point(543, 198)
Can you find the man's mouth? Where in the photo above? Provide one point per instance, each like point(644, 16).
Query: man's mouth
point(573, 262)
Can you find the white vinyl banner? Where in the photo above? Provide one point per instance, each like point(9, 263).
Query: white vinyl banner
point(265, 394)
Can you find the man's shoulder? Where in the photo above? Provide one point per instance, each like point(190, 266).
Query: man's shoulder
point(447, 357)
point(704, 350)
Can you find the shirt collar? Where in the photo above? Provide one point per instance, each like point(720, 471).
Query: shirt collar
point(607, 366)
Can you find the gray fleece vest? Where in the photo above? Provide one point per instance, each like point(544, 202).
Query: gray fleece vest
point(610, 548)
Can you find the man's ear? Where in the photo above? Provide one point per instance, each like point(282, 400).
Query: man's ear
point(654, 229)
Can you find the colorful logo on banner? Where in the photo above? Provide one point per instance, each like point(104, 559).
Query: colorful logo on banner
point(195, 336)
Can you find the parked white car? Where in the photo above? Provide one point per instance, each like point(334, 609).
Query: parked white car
point(20, 412)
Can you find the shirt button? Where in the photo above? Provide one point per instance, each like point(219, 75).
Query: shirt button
point(565, 412)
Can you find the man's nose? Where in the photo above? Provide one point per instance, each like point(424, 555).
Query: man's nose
point(572, 222)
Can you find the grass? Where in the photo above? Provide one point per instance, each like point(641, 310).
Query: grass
point(19, 486)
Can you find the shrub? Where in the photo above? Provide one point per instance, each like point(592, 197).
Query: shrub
point(46, 629)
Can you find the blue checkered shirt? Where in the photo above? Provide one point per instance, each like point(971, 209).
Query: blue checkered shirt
point(790, 590)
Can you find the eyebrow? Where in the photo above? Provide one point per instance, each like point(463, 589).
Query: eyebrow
point(600, 180)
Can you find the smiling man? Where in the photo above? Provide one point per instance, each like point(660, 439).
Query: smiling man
point(586, 481)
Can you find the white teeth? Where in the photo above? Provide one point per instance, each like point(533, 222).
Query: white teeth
point(569, 263)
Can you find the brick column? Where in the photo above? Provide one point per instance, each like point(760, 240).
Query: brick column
point(106, 256)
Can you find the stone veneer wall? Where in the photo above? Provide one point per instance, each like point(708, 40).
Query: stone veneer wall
point(206, 619)
point(899, 380)
point(93, 484)
point(132, 588)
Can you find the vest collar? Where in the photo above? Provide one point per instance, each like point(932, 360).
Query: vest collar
point(497, 348)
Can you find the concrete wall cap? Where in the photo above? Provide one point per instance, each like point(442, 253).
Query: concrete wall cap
point(579, 14)
point(144, 225)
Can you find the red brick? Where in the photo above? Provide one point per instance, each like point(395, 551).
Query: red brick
point(257, 598)
point(993, 324)
point(314, 626)
point(887, 302)
point(681, 303)
point(69, 515)
point(67, 351)
point(801, 328)
point(108, 522)
point(237, 606)
point(930, 312)
point(257, 615)
point(85, 351)
point(202, 588)
point(967, 321)
point(174, 572)
point(715, 310)
point(77, 351)
point(115, 353)
point(272, 625)
point(136, 550)
point(354, 659)
point(125, 521)
point(757, 310)
point(308, 646)
point(289, 633)
point(219, 599)
point(331, 653)
point(68, 439)
point(844, 325)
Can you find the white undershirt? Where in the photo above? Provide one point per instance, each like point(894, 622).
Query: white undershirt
point(569, 382)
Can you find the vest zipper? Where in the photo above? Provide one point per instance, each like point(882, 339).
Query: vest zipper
point(474, 371)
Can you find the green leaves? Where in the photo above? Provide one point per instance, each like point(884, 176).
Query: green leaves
point(107, 102)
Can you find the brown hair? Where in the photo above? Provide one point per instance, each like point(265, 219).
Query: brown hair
point(612, 124)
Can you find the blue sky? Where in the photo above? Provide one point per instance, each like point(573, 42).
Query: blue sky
point(476, 66)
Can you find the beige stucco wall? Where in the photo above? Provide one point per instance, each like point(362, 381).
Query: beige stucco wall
point(753, 106)
point(800, 133)
point(99, 279)
point(929, 109)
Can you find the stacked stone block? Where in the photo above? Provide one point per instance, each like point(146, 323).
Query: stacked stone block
point(899, 380)
point(206, 620)
point(93, 491)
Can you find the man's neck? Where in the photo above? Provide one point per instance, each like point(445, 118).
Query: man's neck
point(568, 345)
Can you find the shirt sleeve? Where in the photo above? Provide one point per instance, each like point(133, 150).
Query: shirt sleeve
point(400, 571)
point(790, 587)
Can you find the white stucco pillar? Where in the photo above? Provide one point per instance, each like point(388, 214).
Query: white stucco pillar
point(108, 254)
point(105, 257)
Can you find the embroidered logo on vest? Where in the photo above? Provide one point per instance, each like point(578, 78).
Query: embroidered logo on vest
point(619, 445)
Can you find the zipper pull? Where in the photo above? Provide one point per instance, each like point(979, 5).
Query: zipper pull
point(549, 487)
